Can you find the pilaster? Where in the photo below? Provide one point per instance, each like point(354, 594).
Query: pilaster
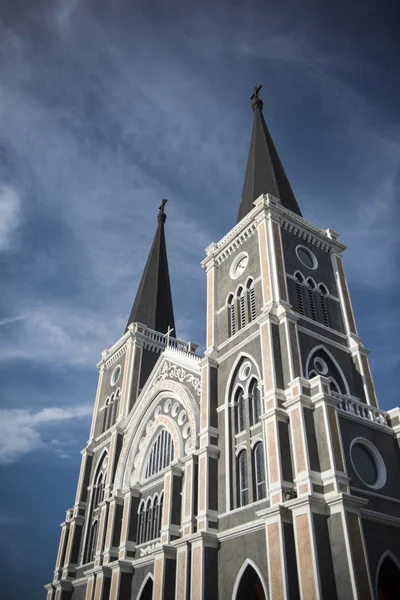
point(97, 400)
point(129, 523)
point(204, 584)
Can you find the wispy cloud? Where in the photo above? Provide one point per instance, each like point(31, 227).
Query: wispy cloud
point(21, 430)
point(10, 205)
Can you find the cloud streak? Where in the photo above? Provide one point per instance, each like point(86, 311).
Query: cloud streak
point(21, 430)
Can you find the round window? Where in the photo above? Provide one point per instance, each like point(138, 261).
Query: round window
point(321, 366)
point(306, 257)
point(115, 375)
point(245, 371)
point(368, 463)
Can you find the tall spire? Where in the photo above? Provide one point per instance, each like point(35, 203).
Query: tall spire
point(153, 302)
point(264, 172)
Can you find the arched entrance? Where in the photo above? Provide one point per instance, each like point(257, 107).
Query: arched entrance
point(388, 584)
point(250, 586)
point(147, 591)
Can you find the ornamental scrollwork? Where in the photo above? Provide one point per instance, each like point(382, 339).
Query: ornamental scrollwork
point(150, 549)
point(171, 371)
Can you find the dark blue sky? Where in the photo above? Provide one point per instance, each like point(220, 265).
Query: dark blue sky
point(108, 106)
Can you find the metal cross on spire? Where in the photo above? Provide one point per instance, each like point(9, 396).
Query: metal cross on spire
point(168, 335)
point(256, 90)
point(163, 203)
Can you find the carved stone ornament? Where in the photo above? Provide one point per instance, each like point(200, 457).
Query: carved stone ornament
point(150, 549)
point(171, 371)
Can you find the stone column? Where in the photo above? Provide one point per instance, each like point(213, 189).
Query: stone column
point(50, 592)
point(275, 519)
point(182, 571)
point(121, 580)
point(90, 587)
point(188, 498)
point(114, 526)
point(204, 585)
point(208, 452)
point(170, 523)
point(352, 574)
point(306, 551)
point(129, 523)
point(62, 548)
point(358, 351)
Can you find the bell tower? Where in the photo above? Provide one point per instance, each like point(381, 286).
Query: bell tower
point(292, 373)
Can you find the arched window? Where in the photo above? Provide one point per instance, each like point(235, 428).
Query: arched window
point(311, 301)
point(299, 293)
point(322, 300)
point(231, 316)
point(161, 454)
point(149, 520)
point(243, 480)
point(240, 411)
point(111, 410)
point(321, 363)
point(388, 580)
point(255, 402)
point(93, 541)
point(259, 472)
point(241, 308)
point(251, 300)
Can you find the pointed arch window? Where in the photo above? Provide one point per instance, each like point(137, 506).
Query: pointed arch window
point(240, 411)
point(299, 293)
point(243, 480)
point(111, 406)
point(161, 455)
point(231, 316)
point(259, 472)
point(255, 402)
point(93, 541)
point(251, 300)
point(322, 300)
point(311, 299)
point(321, 363)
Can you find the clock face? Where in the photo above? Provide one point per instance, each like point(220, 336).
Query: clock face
point(240, 267)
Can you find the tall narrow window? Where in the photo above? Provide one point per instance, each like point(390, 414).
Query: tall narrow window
point(93, 541)
point(311, 301)
point(324, 309)
point(161, 455)
point(240, 411)
point(243, 480)
point(251, 300)
point(259, 472)
point(255, 402)
point(231, 317)
point(299, 293)
point(241, 308)
point(140, 523)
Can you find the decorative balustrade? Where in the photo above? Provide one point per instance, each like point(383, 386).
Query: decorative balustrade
point(160, 338)
point(360, 409)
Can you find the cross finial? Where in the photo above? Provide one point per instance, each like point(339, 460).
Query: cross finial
point(256, 90)
point(168, 335)
point(161, 214)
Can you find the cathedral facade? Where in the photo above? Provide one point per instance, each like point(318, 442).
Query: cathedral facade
point(261, 470)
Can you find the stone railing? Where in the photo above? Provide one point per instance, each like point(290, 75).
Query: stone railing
point(160, 338)
point(360, 409)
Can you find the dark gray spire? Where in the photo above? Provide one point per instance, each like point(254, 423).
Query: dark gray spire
point(264, 172)
point(153, 302)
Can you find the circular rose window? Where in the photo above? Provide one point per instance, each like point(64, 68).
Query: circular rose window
point(306, 257)
point(115, 375)
point(368, 463)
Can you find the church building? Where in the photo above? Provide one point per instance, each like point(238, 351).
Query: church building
point(264, 468)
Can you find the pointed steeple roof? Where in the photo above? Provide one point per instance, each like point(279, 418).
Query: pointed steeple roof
point(153, 302)
point(264, 172)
